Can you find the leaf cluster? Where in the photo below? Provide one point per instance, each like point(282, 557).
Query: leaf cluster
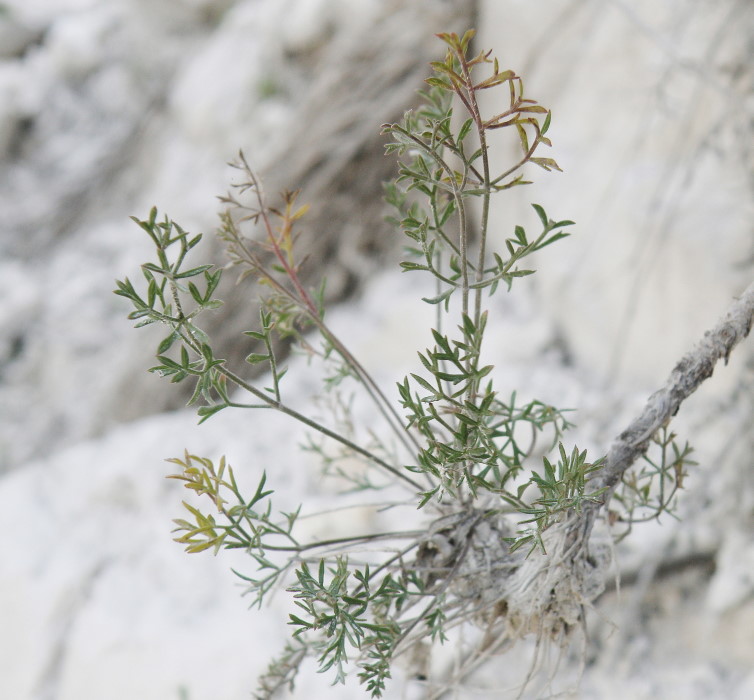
point(562, 488)
point(237, 522)
point(650, 487)
point(175, 296)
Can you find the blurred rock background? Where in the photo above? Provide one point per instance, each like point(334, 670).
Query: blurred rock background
point(110, 107)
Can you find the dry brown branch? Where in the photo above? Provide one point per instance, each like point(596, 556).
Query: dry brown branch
point(696, 366)
point(546, 594)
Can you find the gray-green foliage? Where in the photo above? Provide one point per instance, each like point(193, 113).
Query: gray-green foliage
point(453, 448)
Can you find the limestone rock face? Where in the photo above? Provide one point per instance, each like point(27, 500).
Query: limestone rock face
point(651, 124)
point(108, 107)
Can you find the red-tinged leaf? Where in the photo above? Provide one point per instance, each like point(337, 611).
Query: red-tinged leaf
point(466, 38)
point(447, 70)
point(441, 67)
point(538, 109)
point(447, 38)
point(546, 163)
point(494, 123)
point(496, 79)
point(512, 183)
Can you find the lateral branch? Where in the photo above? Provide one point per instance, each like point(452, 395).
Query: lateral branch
point(694, 368)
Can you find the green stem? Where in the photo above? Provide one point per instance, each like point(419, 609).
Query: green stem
point(348, 540)
point(278, 406)
point(303, 301)
point(475, 113)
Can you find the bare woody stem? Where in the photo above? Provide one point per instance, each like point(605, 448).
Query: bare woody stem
point(694, 368)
